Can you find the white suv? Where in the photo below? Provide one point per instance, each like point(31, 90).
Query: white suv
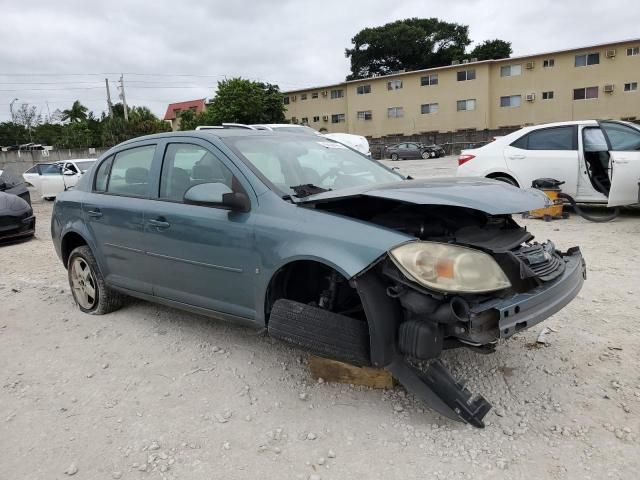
point(599, 161)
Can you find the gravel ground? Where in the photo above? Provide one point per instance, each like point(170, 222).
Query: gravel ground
point(152, 392)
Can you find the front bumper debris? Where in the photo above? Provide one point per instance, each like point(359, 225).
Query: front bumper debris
point(525, 310)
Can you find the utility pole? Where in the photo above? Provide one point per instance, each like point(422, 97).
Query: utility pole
point(106, 81)
point(13, 115)
point(48, 112)
point(124, 99)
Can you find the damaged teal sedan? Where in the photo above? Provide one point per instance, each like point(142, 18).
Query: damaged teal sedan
point(323, 247)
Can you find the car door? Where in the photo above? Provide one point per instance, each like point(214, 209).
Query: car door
point(201, 255)
point(70, 174)
point(413, 151)
point(546, 153)
point(114, 215)
point(624, 151)
point(51, 181)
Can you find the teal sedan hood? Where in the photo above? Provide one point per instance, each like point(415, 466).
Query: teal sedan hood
point(490, 196)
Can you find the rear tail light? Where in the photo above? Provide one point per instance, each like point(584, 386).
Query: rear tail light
point(462, 159)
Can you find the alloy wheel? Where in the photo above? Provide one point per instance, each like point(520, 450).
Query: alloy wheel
point(83, 283)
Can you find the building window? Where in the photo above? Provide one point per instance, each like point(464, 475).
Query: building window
point(304, 120)
point(303, 96)
point(429, 80)
point(464, 105)
point(314, 95)
point(511, 70)
point(294, 120)
point(511, 101)
point(587, 59)
point(395, 112)
point(585, 93)
point(632, 51)
point(394, 84)
point(547, 95)
point(548, 63)
point(363, 89)
point(631, 87)
point(364, 115)
point(316, 118)
point(338, 118)
point(337, 93)
point(286, 100)
point(428, 108)
point(465, 75)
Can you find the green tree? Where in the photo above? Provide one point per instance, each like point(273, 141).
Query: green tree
point(491, 50)
point(239, 100)
point(410, 44)
point(76, 113)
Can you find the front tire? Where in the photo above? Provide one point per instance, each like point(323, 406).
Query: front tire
point(394, 157)
point(425, 155)
point(89, 290)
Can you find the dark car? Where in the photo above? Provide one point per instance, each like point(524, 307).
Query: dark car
point(16, 215)
point(413, 150)
point(323, 247)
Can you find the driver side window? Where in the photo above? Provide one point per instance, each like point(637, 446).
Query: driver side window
point(186, 165)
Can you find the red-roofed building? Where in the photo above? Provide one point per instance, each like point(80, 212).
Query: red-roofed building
point(174, 110)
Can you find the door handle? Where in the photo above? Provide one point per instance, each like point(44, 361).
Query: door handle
point(94, 213)
point(516, 157)
point(159, 223)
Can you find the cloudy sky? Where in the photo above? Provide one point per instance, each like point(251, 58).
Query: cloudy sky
point(53, 52)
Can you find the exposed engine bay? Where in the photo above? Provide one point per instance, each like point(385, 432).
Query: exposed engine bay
point(436, 320)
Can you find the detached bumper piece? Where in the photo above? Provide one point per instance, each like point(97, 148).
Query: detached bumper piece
point(437, 388)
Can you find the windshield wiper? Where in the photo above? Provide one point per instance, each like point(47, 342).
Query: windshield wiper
point(307, 189)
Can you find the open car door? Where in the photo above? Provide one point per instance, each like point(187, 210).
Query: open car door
point(624, 152)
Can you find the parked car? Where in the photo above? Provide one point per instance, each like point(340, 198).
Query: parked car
point(325, 248)
point(49, 179)
point(16, 215)
point(357, 142)
point(598, 161)
point(413, 150)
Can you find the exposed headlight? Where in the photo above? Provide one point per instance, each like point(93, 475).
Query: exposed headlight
point(449, 268)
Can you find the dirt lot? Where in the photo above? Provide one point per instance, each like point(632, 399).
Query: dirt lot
point(151, 392)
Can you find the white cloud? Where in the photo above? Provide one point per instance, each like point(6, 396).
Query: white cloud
point(289, 42)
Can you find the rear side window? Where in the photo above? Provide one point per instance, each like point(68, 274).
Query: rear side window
point(186, 165)
point(130, 172)
point(622, 137)
point(556, 138)
point(102, 175)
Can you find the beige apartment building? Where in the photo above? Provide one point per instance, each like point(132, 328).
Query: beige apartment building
point(600, 81)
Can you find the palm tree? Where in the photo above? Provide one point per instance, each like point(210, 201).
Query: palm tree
point(76, 113)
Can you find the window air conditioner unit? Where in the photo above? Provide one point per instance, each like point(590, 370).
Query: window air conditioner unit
point(530, 97)
point(455, 62)
point(325, 118)
point(325, 93)
point(530, 65)
point(611, 53)
point(608, 88)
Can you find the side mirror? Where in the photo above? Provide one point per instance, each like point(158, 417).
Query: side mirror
point(217, 195)
point(68, 172)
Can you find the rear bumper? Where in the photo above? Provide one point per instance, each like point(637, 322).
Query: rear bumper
point(525, 310)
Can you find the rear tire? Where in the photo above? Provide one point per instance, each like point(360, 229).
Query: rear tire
point(394, 157)
point(89, 290)
point(505, 178)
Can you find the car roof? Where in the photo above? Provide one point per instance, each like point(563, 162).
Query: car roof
point(216, 133)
